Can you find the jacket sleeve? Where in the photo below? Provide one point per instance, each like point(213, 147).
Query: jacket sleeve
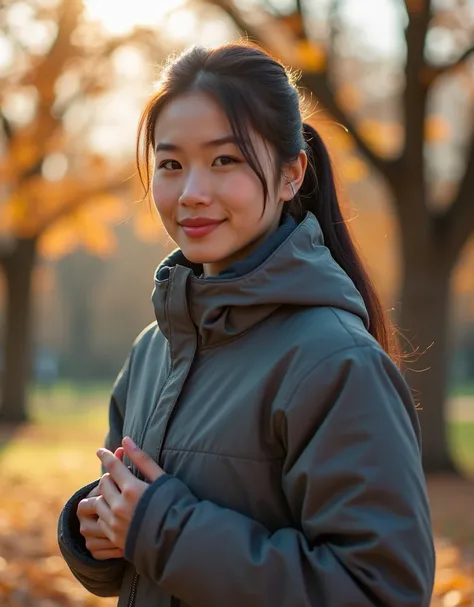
point(355, 486)
point(102, 578)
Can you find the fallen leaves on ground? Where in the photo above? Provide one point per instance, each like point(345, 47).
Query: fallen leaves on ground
point(33, 573)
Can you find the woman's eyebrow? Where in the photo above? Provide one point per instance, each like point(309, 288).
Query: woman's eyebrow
point(171, 147)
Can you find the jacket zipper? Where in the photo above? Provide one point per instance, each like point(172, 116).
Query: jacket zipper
point(133, 592)
point(136, 576)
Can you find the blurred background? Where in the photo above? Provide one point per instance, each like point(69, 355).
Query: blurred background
point(390, 85)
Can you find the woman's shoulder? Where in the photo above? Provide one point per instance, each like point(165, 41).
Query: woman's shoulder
point(147, 339)
point(322, 331)
point(326, 341)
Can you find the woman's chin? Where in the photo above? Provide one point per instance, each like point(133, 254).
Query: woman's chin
point(199, 255)
point(200, 258)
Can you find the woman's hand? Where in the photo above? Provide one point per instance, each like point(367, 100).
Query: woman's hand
point(120, 491)
point(97, 542)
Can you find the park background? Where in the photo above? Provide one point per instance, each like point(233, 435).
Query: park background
point(390, 85)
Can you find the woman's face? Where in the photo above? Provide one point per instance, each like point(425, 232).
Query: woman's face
point(209, 199)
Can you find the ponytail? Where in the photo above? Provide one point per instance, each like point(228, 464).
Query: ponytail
point(318, 194)
point(272, 106)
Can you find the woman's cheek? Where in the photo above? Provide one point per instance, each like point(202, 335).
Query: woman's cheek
point(165, 197)
point(240, 190)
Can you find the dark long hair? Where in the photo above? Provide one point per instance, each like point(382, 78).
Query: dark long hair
point(257, 92)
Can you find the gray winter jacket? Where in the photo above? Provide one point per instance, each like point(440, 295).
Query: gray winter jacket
point(289, 439)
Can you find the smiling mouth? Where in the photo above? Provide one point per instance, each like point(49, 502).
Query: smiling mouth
point(198, 231)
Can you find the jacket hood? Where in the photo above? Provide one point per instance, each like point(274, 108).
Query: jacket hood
point(292, 268)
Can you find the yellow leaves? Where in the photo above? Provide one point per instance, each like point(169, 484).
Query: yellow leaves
point(15, 216)
point(353, 169)
point(464, 276)
point(107, 208)
point(98, 239)
point(383, 137)
point(24, 154)
point(310, 56)
point(437, 129)
point(452, 583)
point(89, 226)
point(348, 165)
point(70, 212)
point(32, 571)
point(58, 240)
point(294, 22)
point(81, 228)
point(147, 224)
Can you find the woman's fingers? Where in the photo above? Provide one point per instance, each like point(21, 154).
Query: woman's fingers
point(86, 507)
point(108, 490)
point(119, 453)
point(117, 469)
point(105, 514)
point(94, 492)
point(90, 528)
point(103, 555)
point(94, 544)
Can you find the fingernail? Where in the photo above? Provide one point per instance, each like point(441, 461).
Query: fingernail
point(100, 452)
point(131, 443)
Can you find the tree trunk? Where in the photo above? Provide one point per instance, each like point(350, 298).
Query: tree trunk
point(17, 351)
point(424, 321)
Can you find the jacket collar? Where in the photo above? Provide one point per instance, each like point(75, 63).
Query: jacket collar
point(292, 267)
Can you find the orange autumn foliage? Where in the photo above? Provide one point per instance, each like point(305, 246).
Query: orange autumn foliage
point(55, 187)
point(33, 573)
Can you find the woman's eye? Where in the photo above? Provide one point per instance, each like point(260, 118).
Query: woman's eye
point(169, 165)
point(225, 160)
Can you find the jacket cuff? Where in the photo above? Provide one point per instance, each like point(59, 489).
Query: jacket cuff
point(150, 514)
point(71, 541)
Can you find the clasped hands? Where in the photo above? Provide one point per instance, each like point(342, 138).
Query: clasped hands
point(106, 513)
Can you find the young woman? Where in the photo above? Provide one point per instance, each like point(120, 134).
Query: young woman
point(263, 448)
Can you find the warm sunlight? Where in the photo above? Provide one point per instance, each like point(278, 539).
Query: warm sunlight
point(121, 16)
point(377, 21)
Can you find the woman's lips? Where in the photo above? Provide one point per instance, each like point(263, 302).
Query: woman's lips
point(200, 231)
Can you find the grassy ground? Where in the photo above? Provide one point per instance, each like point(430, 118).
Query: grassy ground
point(461, 436)
point(45, 462)
point(466, 389)
point(70, 424)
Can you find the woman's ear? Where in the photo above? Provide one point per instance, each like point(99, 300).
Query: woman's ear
point(292, 177)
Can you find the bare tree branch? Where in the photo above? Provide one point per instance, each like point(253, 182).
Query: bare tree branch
point(334, 30)
point(7, 247)
point(319, 85)
point(110, 186)
point(62, 49)
point(458, 220)
point(415, 93)
point(418, 7)
point(6, 126)
point(436, 72)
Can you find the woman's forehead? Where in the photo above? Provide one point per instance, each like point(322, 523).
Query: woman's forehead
point(192, 115)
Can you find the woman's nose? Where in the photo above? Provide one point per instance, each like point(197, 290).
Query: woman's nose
point(196, 190)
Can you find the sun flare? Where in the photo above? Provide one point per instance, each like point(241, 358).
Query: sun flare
point(123, 15)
